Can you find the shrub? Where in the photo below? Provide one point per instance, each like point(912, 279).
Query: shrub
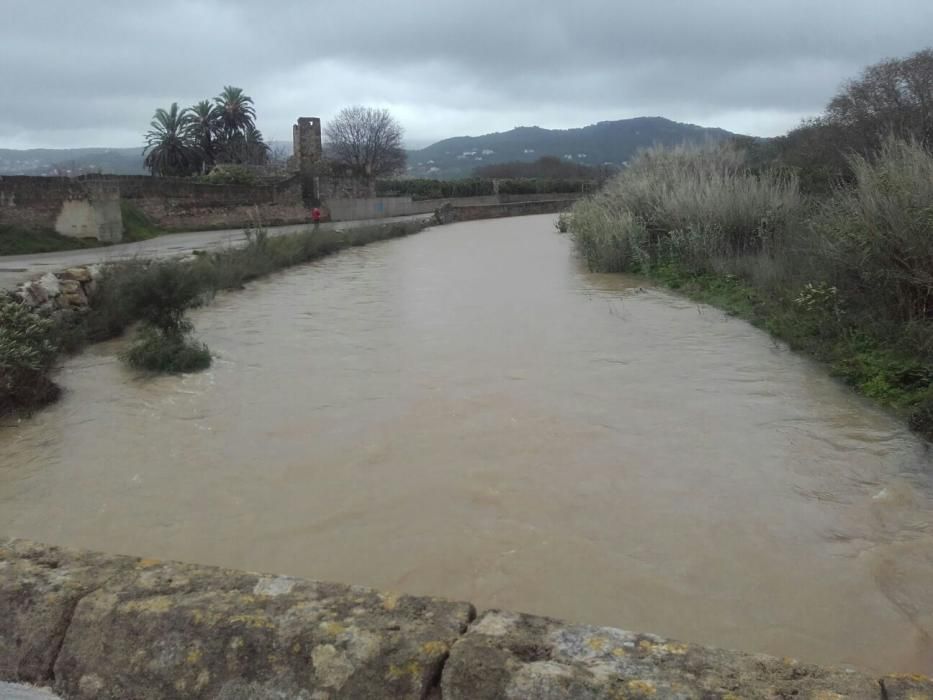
point(229, 175)
point(157, 351)
point(160, 297)
point(162, 294)
point(26, 356)
point(136, 225)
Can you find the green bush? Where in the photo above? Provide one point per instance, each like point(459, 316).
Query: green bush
point(156, 351)
point(420, 188)
point(26, 356)
point(160, 296)
point(15, 240)
point(163, 293)
point(229, 175)
point(136, 225)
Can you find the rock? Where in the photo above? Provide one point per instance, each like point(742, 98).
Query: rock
point(150, 629)
point(96, 271)
point(72, 294)
point(509, 655)
point(39, 588)
point(78, 274)
point(33, 294)
point(50, 284)
point(907, 687)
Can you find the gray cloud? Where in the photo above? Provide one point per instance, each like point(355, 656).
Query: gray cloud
point(92, 72)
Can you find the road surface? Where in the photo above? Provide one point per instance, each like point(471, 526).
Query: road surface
point(15, 269)
point(14, 691)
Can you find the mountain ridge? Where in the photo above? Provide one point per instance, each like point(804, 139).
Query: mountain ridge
point(606, 142)
point(595, 144)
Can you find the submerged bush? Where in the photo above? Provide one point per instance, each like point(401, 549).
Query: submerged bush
point(160, 297)
point(26, 356)
point(153, 350)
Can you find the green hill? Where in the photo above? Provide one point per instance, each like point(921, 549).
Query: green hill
point(606, 142)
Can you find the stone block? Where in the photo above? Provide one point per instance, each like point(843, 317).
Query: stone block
point(169, 630)
point(39, 589)
point(510, 655)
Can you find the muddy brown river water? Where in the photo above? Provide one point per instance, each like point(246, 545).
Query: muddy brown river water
point(469, 413)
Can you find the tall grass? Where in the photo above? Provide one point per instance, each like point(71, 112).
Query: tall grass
point(848, 279)
point(877, 236)
point(690, 204)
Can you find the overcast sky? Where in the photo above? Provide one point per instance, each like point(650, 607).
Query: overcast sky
point(91, 72)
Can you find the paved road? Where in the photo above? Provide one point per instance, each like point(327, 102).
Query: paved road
point(13, 691)
point(15, 269)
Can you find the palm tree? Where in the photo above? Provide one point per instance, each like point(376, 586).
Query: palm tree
point(235, 110)
point(170, 146)
point(205, 121)
point(257, 151)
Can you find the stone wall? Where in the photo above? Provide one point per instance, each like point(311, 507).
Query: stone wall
point(90, 206)
point(75, 208)
point(105, 627)
point(349, 209)
point(179, 204)
point(471, 212)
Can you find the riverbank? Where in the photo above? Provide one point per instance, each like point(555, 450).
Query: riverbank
point(843, 278)
point(94, 625)
point(61, 313)
point(879, 367)
point(85, 304)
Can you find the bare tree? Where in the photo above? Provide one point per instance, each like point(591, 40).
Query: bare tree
point(367, 142)
point(895, 95)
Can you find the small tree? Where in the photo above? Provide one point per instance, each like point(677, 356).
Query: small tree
point(161, 297)
point(367, 142)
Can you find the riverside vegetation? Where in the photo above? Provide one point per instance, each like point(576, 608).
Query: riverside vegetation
point(156, 293)
point(823, 237)
point(846, 278)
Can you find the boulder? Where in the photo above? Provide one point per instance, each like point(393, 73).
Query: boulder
point(39, 588)
point(72, 294)
point(33, 294)
point(904, 686)
point(78, 274)
point(118, 627)
point(510, 655)
point(50, 284)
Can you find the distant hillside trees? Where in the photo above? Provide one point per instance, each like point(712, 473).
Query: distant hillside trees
point(366, 143)
point(549, 167)
point(193, 140)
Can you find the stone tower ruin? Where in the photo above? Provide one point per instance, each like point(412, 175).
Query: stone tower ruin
point(306, 143)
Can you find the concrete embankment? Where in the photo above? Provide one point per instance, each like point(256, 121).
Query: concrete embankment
point(92, 625)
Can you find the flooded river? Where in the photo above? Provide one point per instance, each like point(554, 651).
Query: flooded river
point(469, 413)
